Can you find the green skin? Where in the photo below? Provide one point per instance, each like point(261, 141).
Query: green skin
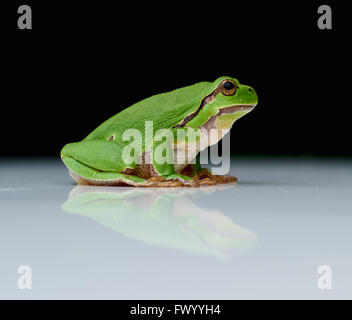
point(98, 157)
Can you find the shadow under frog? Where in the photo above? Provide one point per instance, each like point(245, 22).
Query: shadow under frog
point(166, 217)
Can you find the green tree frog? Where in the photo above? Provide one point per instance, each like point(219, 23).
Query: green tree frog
point(202, 108)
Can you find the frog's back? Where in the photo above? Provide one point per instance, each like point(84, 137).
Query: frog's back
point(165, 110)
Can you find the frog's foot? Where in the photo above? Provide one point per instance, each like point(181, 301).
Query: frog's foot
point(186, 181)
point(205, 177)
point(174, 180)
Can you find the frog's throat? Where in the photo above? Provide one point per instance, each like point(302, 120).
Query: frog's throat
point(210, 124)
point(205, 101)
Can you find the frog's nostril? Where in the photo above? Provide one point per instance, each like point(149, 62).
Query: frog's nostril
point(250, 89)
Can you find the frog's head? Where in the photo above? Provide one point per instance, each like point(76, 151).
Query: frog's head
point(226, 101)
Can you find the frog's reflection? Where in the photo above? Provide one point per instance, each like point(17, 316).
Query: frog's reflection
point(165, 217)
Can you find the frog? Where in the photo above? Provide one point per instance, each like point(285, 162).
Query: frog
point(206, 109)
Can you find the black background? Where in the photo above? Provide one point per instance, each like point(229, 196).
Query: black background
point(84, 61)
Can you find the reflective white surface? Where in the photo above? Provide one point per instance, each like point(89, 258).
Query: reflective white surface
point(264, 238)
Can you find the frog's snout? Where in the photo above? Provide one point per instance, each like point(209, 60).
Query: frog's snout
point(251, 95)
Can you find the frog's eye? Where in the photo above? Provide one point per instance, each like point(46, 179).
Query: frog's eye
point(227, 87)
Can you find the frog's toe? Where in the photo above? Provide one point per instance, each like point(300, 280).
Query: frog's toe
point(180, 177)
point(182, 180)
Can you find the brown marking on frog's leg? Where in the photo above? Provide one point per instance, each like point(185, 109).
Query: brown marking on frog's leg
point(145, 169)
point(189, 171)
point(204, 173)
point(130, 171)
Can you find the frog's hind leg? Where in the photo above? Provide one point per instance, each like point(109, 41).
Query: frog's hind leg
point(96, 162)
point(85, 175)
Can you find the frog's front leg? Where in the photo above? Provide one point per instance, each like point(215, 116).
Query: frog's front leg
point(172, 151)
